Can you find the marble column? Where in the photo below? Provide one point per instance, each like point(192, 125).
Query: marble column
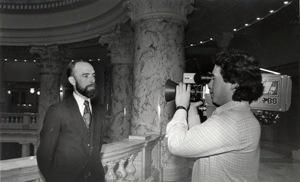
point(120, 45)
point(2, 92)
point(25, 149)
point(51, 63)
point(159, 55)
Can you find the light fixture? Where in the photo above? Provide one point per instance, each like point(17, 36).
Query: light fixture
point(8, 92)
point(38, 93)
point(32, 90)
point(258, 18)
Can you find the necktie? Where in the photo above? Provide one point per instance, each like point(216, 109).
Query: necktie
point(87, 115)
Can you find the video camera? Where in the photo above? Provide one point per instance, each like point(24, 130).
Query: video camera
point(276, 95)
point(198, 86)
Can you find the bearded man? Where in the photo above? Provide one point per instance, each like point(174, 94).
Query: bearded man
point(72, 134)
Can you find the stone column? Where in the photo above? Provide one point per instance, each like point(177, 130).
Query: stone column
point(51, 62)
point(159, 55)
point(25, 149)
point(120, 45)
point(2, 92)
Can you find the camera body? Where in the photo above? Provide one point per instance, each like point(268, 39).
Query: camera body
point(198, 85)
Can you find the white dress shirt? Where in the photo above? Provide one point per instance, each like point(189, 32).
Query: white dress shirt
point(80, 102)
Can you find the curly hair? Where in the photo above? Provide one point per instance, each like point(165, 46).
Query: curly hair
point(241, 68)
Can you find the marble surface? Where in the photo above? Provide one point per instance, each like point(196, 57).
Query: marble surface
point(119, 126)
point(159, 56)
point(120, 46)
point(51, 63)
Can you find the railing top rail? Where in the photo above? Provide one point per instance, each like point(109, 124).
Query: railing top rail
point(117, 150)
point(17, 163)
point(17, 114)
point(110, 152)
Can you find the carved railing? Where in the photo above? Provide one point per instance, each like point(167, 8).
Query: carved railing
point(134, 159)
point(18, 121)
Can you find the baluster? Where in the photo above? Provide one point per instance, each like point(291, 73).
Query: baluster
point(110, 175)
point(121, 173)
point(20, 119)
point(131, 169)
point(13, 119)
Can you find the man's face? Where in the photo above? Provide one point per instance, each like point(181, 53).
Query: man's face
point(84, 75)
point(220, 92)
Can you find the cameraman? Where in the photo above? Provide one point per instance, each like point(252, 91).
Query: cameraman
point(227, 143)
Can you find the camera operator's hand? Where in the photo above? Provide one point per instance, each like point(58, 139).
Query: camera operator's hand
point(183, 93)
point(193, 116)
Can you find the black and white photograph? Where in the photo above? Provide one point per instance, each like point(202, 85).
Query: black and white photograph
point(149, 91)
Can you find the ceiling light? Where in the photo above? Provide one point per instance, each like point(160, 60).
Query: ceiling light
point(32, 90)
point(271, 11)
point(258, 18)
point(285, 2)
point(234, 29)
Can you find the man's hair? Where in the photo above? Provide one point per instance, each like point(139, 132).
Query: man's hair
point(70, 68)
point(241, 68)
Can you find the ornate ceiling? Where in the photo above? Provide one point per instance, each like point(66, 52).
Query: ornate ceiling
point(78, 24)
point(57, 22)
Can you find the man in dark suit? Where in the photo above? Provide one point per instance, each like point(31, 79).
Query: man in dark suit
point(71, 137)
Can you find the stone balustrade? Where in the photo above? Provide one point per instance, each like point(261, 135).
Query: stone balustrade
point(21, 121)
point(133, 159)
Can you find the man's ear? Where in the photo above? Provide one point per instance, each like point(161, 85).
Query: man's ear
point(72, 80)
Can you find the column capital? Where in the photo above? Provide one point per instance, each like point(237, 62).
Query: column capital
point(46, 52)
point(51, 57)
point(175, 10)
point(120, 44)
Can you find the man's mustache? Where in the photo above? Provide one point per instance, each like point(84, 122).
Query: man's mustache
point(91, 85)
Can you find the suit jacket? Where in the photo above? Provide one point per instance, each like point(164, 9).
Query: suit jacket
point(68, 150)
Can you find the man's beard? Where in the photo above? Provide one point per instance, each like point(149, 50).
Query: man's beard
point(89, 91)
